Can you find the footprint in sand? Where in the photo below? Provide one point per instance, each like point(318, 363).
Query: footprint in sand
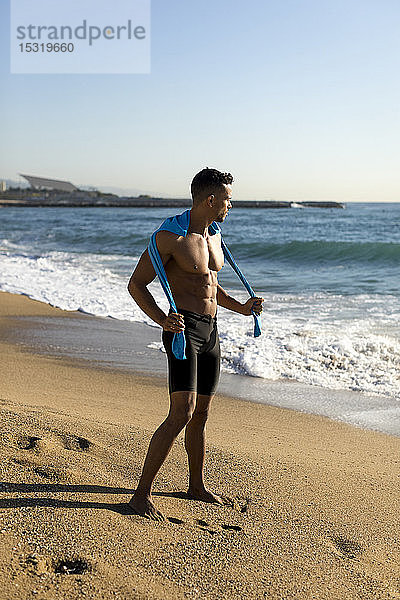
point(42, 565)
point(74, 442)
point(75, 566)
point(175, 521)
point(69, 442)
point(239, 504)
point(48, 473)
point(204, 526)
point(232, 527)
point(39, 564)
point(28, 442)
point(347, 548)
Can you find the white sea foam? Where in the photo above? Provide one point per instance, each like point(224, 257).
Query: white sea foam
point(331, 341)
point(317, 353)
point(84, 282)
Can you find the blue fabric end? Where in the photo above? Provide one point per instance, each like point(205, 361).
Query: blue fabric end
point(179, 345)
point(257, 324)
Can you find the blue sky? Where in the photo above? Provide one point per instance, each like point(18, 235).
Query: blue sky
point(298, 99)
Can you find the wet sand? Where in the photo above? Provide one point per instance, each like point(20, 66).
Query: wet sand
point(312, 505)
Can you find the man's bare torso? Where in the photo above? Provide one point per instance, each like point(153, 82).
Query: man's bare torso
point(192, 269)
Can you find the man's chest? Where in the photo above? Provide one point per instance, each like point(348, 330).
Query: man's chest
point(197, 254)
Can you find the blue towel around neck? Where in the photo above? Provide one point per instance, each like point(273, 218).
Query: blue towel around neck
point(179, 224)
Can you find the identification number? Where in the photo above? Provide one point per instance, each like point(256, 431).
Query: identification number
point(49, 47)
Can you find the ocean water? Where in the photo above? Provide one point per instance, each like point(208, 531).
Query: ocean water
point(330, 279)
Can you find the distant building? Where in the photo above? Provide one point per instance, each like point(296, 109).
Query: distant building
point(3, 186)
point(41, 183)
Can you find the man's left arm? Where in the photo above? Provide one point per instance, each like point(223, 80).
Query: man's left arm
point(226, 301)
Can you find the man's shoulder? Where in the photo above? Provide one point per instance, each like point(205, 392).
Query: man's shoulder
point(167, 241)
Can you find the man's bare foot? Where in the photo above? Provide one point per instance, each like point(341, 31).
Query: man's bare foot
point(143, 506)
point(204, 495)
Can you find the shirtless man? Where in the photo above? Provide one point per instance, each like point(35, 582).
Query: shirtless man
point(191, 264)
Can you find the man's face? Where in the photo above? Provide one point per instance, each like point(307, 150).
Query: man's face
point(222, 202)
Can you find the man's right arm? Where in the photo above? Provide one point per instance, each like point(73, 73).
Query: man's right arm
point(144, 274)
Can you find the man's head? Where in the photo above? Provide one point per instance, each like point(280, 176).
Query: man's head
point(212, 189)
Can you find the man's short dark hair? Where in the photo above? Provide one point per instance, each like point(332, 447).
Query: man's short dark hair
point(207, 182)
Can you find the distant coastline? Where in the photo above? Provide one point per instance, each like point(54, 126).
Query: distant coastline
point(28, 197)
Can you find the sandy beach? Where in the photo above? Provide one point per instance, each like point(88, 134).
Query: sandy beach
point(312, 505)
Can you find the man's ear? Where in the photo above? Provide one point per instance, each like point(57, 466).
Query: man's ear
point(210, 199)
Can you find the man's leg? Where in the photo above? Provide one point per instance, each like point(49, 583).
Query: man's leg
point(208, 368)
point(195, 448)
point(181, 410)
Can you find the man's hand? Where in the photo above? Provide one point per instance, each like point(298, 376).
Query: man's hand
point(253, 304)
point(174, 322)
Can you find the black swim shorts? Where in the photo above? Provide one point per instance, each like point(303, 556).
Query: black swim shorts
point(199, 372)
